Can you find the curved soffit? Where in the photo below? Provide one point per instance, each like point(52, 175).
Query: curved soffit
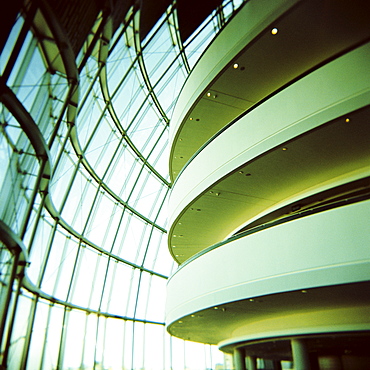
point(267, 64)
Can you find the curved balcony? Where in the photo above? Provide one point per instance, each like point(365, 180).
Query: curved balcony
point(309, 275)
point(310, 137)
point(269, 209)
point(265, 47)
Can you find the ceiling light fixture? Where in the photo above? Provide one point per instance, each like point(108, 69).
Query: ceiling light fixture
point(236, 65)
point(274, 31)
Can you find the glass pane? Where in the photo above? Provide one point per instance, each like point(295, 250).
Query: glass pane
point(58, 273)
point(159, 53)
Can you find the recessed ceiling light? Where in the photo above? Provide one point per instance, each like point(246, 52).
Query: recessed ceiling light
point(208, 94)
point(347, 120)
point(274, 31)
point(191, 118)
point(285, 148)
point(236, 65)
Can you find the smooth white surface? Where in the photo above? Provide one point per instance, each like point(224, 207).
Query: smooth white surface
point(328, 248)
point(252, 19)
point(349, 177)
point(321, 96)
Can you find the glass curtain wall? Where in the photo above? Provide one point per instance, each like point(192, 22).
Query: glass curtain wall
point(84, 181)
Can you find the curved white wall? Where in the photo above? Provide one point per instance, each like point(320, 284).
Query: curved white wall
point(256, 15)
point(303, 141)
point(328, 248)
point(335, 89)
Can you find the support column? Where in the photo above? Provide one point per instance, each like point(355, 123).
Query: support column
point(239, 359)
point(301, 358)
point(251, 363)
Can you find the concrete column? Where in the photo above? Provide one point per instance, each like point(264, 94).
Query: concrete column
point(239, 359)
point(251, 363)
point(301, 358)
